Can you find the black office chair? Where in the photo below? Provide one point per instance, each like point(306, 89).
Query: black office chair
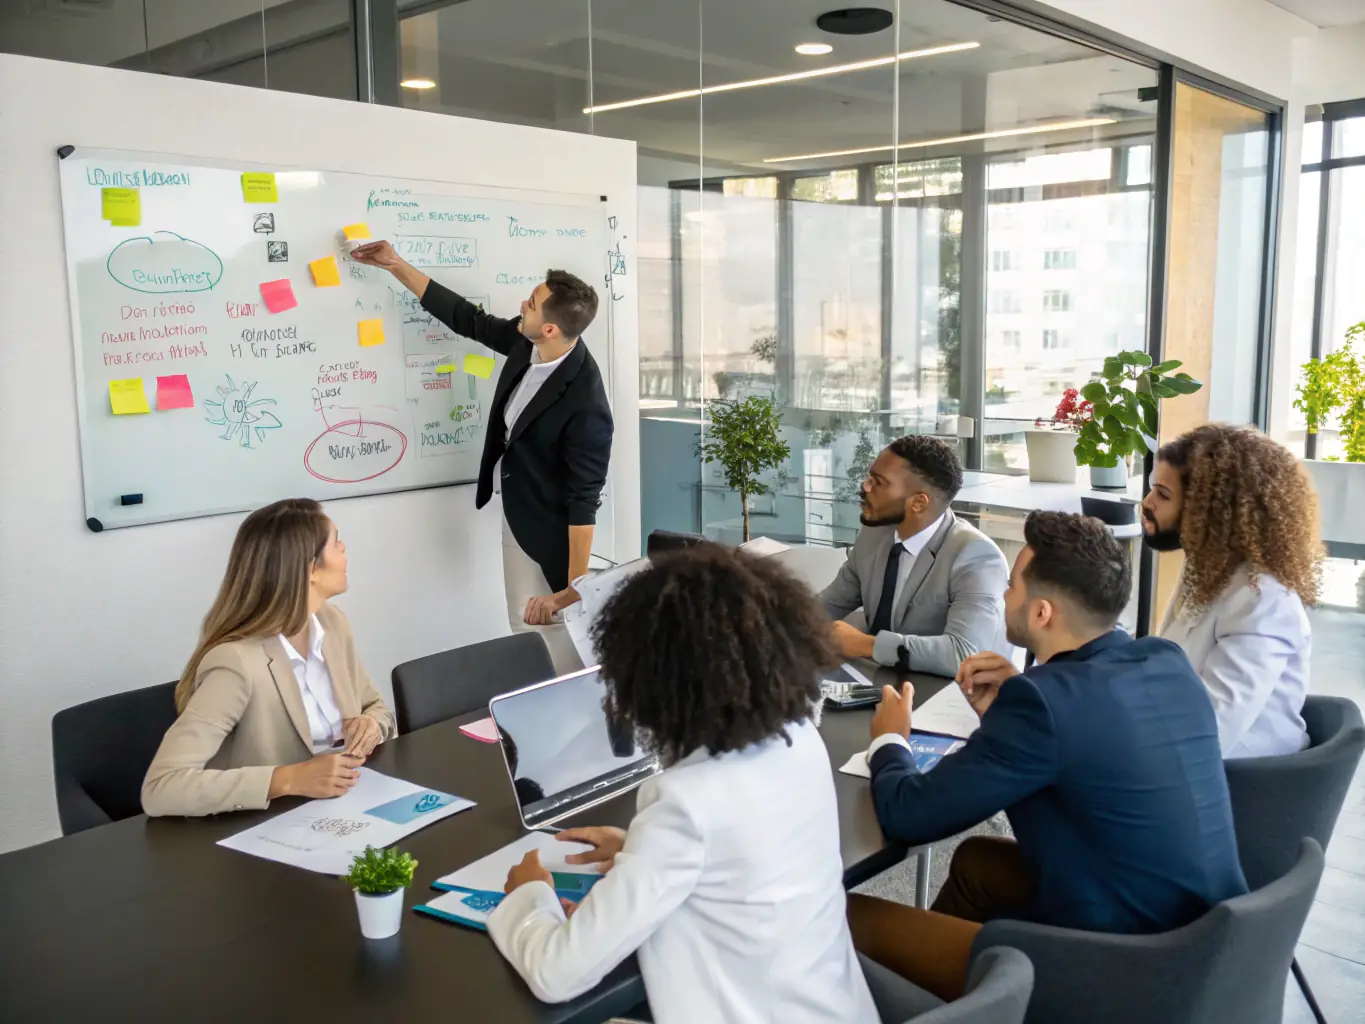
point(101, 751)
point(998, 988)
point(453, 683)
point(662, 542)
point(1277, 801)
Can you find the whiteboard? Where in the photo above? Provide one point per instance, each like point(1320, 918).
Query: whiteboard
point(355, 390)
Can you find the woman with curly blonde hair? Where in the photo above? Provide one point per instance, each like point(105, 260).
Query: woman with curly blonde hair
point(1244, 512)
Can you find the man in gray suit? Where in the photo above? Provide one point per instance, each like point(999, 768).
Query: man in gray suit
point(930, 585)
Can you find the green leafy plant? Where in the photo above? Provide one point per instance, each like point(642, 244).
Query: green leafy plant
point(747, 442)
point(764, 348)
point(379, 872)
point(1336, 383)
point(1124, 404)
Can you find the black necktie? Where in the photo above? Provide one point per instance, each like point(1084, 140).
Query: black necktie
point(882, 620)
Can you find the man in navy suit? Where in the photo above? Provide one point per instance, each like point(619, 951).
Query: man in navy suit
point(1104, 755)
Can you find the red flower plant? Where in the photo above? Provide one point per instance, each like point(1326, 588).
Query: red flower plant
point(1073, 412)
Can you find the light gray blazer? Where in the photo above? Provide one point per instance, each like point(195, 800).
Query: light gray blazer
point(953, 604)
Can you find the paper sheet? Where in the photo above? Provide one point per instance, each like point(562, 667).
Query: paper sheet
point(326, 835)
point(489, 874)
point(928, 751)
point(259, 187)
point(173, 392)
point(121, 207)
point(370, 332)
point(278, 295)
point(479, 366)
point(946, 713)
point(127, 397)
point(484, 729)
point(325, 272)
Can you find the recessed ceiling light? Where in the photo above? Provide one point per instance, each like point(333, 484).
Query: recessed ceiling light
point(417, 83)
point(833, 69)
point(1004, 133)
point(813, 49)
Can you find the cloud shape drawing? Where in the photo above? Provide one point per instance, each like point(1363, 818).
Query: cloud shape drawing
point(164, 263)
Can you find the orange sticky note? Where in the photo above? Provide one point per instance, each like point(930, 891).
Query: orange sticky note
point(371, 333)
point(325, 272)
point(278, 295)
point(356, 232)
point(174, 392)
point(126, 397)
point(479, 366)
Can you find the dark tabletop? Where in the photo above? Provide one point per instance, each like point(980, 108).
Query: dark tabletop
point(147, 919)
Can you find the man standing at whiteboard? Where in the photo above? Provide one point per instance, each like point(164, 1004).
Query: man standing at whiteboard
point(548, 435)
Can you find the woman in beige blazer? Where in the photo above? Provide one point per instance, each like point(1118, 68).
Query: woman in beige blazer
point(274, 701)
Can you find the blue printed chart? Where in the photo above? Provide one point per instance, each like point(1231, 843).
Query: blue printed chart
point(326, 835)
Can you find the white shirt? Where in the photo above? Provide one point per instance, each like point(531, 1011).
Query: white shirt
point(315, 687)
point(531, 381)
point(1251, 647)
point(913, 545)
point(730, 887)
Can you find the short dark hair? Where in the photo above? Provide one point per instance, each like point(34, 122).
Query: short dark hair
point(714, 648)
point(1077, 556)
point(933, 460)
point(572, 303)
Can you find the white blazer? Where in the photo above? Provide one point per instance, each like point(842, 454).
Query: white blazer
point(1251, 647)
point(730, 886)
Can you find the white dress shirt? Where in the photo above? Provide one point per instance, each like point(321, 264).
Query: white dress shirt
point(730, 887)
point(531, 381)
point(1251, 647)
point(315, 687)
point(913, 545)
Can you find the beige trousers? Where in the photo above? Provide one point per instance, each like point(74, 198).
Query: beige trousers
point(525, 580)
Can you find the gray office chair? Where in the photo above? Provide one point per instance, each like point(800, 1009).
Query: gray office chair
point(1276, 801)
point(1229, 965)
point(101, 751)
point(998, 987)
point(455, 683)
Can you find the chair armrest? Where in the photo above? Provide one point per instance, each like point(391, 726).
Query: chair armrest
point(75, 809)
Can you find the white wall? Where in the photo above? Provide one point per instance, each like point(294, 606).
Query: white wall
point(83, 615)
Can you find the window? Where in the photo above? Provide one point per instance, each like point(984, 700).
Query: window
point(834, 187)
point(1011, 339)
point(1056, 301)
point(755, 188)
point(1138, 170)
point(918, 179)
point(1003, 259)
point(1006, 302)
point(1055, 340)
point(1059, 259)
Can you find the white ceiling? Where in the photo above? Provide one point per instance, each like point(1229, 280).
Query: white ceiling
point(1326, 13)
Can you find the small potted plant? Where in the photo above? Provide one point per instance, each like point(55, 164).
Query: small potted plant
point(1052, 443)
point(1123, 421)
point(379, 878)
point(1334, 387)
point(747, 442)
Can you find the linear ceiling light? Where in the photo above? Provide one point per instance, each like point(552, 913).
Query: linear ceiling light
point(833, 69)
point(1033, 129)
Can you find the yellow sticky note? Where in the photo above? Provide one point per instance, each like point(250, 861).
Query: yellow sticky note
point(121, 207)
point(356, 232)
point(259, 187)
point(371, 333)
point(446, 368)
point(127, 397)
point(479, 366)
point(325, 272)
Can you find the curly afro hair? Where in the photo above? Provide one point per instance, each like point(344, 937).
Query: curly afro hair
point(711, 647)
point(1247, 501)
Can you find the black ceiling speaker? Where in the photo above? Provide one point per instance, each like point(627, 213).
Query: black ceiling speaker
point(854, 21)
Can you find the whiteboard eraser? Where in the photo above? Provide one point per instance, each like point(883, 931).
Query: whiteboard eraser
point(130, 499)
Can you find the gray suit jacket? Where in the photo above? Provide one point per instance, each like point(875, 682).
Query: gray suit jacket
point(953, 604)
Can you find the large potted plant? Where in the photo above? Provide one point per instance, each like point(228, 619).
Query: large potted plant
point(1335, 386)
point(1123, 423)
point(379, 878)
point(746, 440)
point(1052, 443)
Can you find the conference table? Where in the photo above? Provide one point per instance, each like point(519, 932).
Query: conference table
point(148, 919)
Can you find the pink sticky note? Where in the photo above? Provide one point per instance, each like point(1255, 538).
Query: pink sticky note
point(483, 730)
point(174, 392)
point(278, 295)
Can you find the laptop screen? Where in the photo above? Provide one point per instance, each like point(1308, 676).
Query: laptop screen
point(562, 753)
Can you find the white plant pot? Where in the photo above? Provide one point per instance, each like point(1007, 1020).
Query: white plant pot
point(1109, 478)
point(1341, 494)
point(380, 916)
point(1051, 456)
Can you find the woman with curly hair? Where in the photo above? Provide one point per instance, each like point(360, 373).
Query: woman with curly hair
point(1244, 512)
point(729, 882)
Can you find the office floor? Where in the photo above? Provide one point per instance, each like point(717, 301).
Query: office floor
point(1332, 947)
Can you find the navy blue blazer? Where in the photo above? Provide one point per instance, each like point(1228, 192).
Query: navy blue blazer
point(1106, 760)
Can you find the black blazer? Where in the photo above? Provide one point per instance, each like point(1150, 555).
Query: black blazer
point(554, 465)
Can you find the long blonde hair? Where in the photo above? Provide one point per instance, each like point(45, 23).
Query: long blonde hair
point(265, 589)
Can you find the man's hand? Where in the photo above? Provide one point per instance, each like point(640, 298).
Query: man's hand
point(980, 676)
point(360, 735)
point(606, 843)
point(529, 870)
point(853, 643)
point(893, 713)
point(540, 611)
point(377, 254)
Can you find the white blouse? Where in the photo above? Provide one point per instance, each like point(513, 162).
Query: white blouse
point(315, 687)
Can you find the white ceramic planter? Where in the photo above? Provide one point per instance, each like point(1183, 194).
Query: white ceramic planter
point(1109, 478)
point(1341, 494)
point(1051, 456)
point(380, 916)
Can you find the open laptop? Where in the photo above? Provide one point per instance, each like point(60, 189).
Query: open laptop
point(563, 755)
